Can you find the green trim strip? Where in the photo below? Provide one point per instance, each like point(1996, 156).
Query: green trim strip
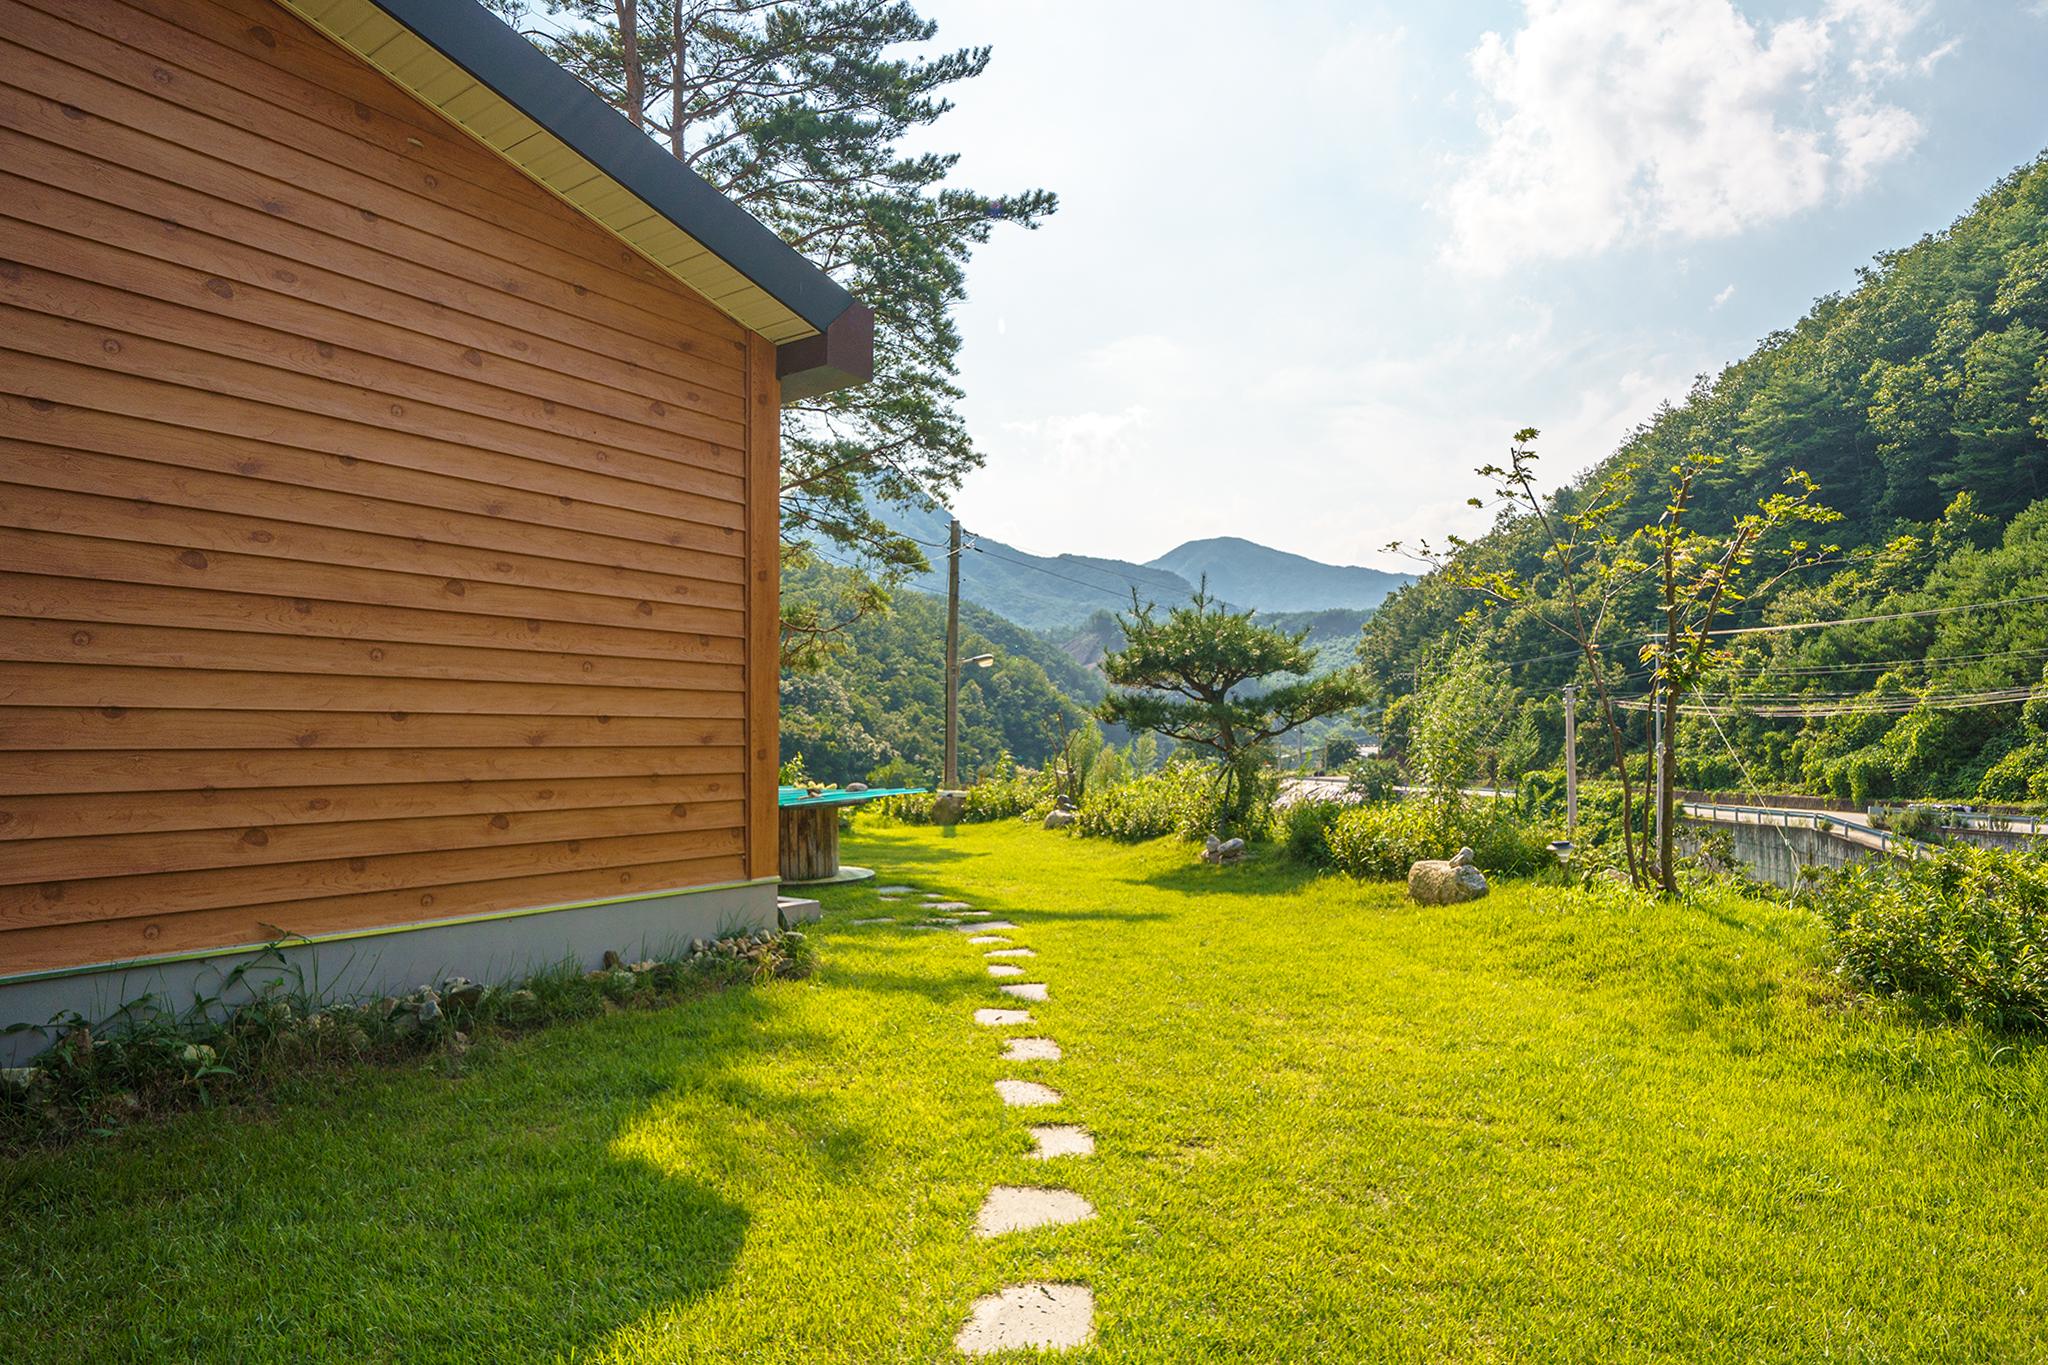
point(130, 964)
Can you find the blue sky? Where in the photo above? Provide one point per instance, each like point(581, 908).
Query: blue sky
point(1315, 262)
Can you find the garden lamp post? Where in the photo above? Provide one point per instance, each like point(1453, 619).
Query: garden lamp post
point(953, 667)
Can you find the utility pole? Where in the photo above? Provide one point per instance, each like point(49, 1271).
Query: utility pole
point(1571, 763)
point(1657, 755)
point(952, 779)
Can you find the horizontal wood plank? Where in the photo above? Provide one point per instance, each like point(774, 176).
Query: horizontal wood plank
point(69, 815)
point(63, 945)
point(106, 497)
point(75, 599)
point(365, 495)
point(197, 771)
point(114, 727)
point(147, 646)
point(125, 855)
point(83, 900)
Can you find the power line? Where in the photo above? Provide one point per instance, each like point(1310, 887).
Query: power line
point(1053, 573)
point(1871, 620)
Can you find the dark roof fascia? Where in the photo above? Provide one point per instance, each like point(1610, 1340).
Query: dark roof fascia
point(486, 47)
point(839, 357)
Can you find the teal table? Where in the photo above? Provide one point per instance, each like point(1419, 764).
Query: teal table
point(807, 832)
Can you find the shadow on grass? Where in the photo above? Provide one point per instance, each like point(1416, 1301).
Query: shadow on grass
point(560, 1188)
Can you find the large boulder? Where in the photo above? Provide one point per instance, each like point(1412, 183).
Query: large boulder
point(948, 808)
point(1059, 819)
point(1446, 881)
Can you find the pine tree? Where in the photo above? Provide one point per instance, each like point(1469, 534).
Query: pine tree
point(797, 110)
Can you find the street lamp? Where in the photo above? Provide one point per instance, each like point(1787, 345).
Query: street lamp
point(952, 781)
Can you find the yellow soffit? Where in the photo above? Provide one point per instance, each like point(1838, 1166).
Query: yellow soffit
point(421, 69)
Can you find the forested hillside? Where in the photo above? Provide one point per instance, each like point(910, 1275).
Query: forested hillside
point(1919, 403)
point(880, 697)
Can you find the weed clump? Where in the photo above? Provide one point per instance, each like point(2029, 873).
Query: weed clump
point(264, 1027)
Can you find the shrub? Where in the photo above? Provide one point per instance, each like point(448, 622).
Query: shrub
point(1962, 932)
point(1182, 798)
point(1304, 828)
point(1383, 840)
point(1372, 779)
point(1001, 792)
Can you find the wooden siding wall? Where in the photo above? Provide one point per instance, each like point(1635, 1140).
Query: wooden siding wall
point(380, 539)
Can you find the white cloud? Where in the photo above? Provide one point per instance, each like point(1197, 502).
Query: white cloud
point(1723, 297)
point(1608, 121)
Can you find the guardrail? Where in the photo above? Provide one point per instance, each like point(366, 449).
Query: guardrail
point(1825, 822)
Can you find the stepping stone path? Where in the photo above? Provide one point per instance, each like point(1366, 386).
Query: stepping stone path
point(1061, 1139)
point(1039, 1314)
point(1019, 1208)
point(894, 890)
point(1031, 1050)
point(1051, 1317)
point(1022, 1094)
point(883, 920)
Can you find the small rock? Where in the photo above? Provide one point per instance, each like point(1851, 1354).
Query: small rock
point(461, 992)
point(429, 1010)
point(197, 1055)
point(1223, 851)
point(21, 1078)
point(612, 961)
point(1059, 819)
point(856, 786)
point(522, 999)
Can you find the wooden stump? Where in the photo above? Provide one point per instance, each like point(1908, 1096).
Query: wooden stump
point(808, 842)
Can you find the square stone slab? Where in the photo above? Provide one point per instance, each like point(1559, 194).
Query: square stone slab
point(987, 938)
point(1001, 1018)
point(947, 906)
point(979, 926)
point(1019, 1208)
point(936, 896)
point(942, 921)
point(1031, 1050)
point(999, 952)
point(1050, 1317)
point(1024, 1094)
point(1029, 990)
point(894, 890)
point(883, 920)
point(1004, 969)
point(1061, 1139)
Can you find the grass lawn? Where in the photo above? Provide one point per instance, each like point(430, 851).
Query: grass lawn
point(1331, 1126)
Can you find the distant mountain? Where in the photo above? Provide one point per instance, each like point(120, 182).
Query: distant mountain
point(1246, 574)
point(1044, 592)
point(1060, 592)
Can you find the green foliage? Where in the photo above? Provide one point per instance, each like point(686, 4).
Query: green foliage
point(265, 1026)
point(1304, 829)
point(1918, 404)
point(879, 702)
point(1461, 706)
point(1372, 779)
point(1383, 840)
point(1962, 933)
point(1184, 798)
point(799, 111)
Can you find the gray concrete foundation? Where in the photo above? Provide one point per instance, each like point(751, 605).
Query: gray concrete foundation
point(493, 949)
